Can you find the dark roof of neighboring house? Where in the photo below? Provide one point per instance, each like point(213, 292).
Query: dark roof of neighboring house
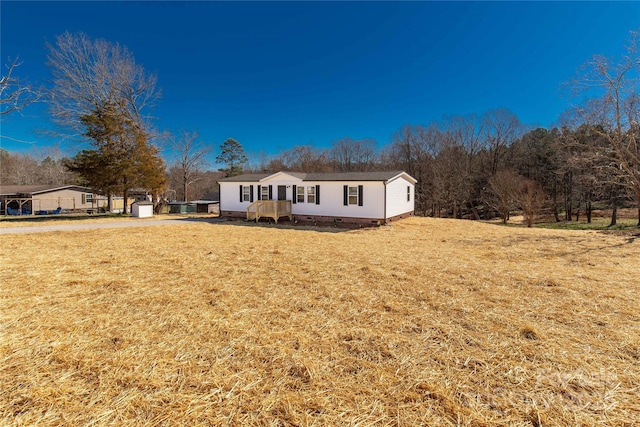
point(320, 176)
point(9, 190)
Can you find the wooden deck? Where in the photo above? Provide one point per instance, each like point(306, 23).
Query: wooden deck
point(275, 209)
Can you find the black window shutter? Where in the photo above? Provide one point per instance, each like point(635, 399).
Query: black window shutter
point(360, 191)
point(295, 195)
point(241, 194)
point(346, 195)
point(271, 192)
point(251, 193)
point(259, 190)
point(317, 194)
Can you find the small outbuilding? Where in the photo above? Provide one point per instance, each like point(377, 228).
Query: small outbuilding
point(207, 206)
point(196, 206)
point(181, 208)
point(142, 210)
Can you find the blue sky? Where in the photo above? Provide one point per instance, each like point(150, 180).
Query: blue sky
point(278, 74)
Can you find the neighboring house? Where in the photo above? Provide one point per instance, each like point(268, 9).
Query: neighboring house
point(139, 195)
point(354, 197)
point(41, 199)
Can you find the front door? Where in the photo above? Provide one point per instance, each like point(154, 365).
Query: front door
point(282, 192)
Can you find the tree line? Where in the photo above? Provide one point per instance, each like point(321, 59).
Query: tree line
point(477, 167)
point(472, 166)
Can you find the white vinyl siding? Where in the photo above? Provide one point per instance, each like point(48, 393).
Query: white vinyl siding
point(400, 197)
point(332, 200)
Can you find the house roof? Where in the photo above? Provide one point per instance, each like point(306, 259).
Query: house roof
point(10, 190)
point(324, 176)
point(248, 177)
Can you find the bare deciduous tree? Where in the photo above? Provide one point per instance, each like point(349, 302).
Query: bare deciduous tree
point(500, 128)
point(192, 159)
point(90, 74)
point(413, 150)
point(505, 187)
point(18, 169)
point(52, 170)
point(306, 158)
point(531, 199)
point(350, 155)
point(14, 94)
point(101, 93)
point(510, 191)
point(454, 166)
point(613, 107)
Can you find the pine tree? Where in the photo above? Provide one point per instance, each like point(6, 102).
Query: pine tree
point(232, 154)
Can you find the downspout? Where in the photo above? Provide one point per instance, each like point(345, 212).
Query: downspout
point(385, 202)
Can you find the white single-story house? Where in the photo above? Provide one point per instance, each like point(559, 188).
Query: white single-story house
point(351, 197)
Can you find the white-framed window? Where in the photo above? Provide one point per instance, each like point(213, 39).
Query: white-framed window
point(87, 198)
point(311, 194)
point(264, 193)
point(353, 195)
point(246, 193)
point(300, 194)
point(408, 193)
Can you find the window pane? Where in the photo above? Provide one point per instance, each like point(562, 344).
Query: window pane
point(353, 195)
point(300, 194)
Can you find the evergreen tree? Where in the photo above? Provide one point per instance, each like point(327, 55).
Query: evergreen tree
point(232, 154)
point(122, 158)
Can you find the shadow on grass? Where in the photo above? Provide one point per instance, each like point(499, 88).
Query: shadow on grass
point(628, 225)
point(627, 229)
point(324, 227)
point(284, 225)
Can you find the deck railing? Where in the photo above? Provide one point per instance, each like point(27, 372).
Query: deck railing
point(275, 209)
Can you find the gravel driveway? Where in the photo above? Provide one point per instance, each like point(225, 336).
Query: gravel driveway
point(97, 225)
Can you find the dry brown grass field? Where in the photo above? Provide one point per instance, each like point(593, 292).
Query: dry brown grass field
point(424, 322)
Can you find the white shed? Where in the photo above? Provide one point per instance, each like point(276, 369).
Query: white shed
point(355, 197)
point(142, 210)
